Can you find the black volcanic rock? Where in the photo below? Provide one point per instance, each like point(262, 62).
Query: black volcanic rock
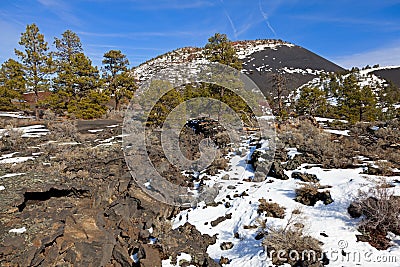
point(298, 65)
point(390, 74)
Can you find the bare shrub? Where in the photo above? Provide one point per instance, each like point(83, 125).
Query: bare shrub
point(380, 209)
point(318, 146)
point(49, 115)
point(271, 209)
point(309, 193)
point(65, 130)
point(289, 245)
point(379, 140)
point(12, 138)
point(114, 114)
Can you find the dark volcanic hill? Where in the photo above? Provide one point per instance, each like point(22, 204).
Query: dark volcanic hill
point(261, 59)
point(298, 65)
point(389, 73)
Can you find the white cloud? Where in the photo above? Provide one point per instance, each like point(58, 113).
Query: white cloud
point(62, 10)
point(384, 56)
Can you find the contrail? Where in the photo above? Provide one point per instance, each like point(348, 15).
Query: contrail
point(231, 22)
point(235, 32)
point(266, 18)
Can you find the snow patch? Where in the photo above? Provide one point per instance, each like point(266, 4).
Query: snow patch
point(8, 175)
point(183, 257)
point(338, 132)
point(18, 230)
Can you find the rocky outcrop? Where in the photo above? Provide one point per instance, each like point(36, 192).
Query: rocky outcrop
point(89, 212)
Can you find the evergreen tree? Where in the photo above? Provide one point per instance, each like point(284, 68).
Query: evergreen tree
point(92, 105)
point(164, 105)
point(347, 98)
point(36, 59)
point(279, 96)
point(68, 47)
point(12, 84)
point(115, 62)
point(220, 49)
point(312, 102)
point(367, 110)
point(124, 87)
point(78, 89)
point(117, 78)
point(356, 103)
point(389, 96)
point(85, 76)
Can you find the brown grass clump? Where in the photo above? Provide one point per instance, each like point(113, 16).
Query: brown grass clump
point(289, 245)
point(308, 194)
point(65, 131)
point(271, 209)
point(380, 209)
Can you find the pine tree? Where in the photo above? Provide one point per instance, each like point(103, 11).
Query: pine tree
point(92, 105)
point(12, 84)
point(68, 47)
point(78, 89)
point(124, 87)
point(36, 60)
point(356, 103)
point(389, 95)
point(120, 84)
point(312, 102)
point(367, 110)
point(220, 49)
point(164, 105)
point(279, 96)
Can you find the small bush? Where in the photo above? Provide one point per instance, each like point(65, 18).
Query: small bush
point(271, 209)
point(12, 138)
point(317, 146)
point(289, 245)
point(380, 209)
point(65, 130)
point(308, 194)
point(114, 114)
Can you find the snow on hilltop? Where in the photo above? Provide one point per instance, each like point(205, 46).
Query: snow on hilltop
point(195, 55)
point(246, 48)
point(261, 59)
point(365, 77)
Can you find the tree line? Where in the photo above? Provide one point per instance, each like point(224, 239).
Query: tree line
point(342, 96)
point(78, 88)
point(337, 95)
point(81, 90)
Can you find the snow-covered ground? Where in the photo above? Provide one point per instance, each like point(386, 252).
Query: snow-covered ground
point(16, 115)
point(338, 132)
point(330, 224)
point(28, 131)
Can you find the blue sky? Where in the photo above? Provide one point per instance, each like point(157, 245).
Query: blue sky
point(350, 33)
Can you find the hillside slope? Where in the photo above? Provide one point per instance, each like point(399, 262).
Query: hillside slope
point(389, 73)
point(261, 59)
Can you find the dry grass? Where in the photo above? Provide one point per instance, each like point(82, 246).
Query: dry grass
point(309, 193)
point(318, 146)
point(271, 209)
point(380, 208)
point(289, 245)
point(63, 131)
